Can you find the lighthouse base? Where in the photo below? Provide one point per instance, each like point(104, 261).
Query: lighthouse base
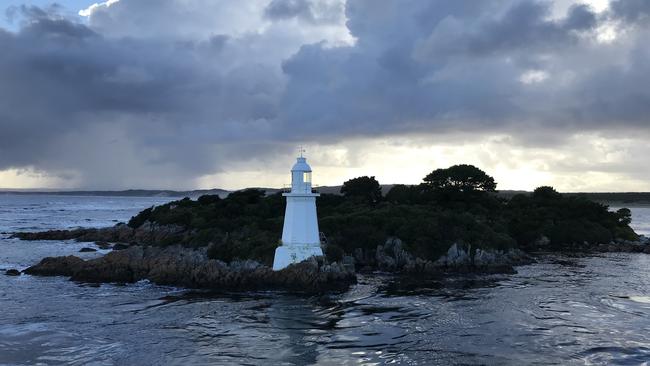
point(294, 253)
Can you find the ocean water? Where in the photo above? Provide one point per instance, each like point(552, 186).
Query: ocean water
point(560, 311)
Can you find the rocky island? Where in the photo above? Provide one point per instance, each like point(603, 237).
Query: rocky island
point(451, 223)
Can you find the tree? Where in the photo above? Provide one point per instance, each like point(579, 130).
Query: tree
point(364, 187)
point(624, 216)
point(460, 178)
point(208, 199)
point(404, 194)
point(546, 193)
point(247, 196)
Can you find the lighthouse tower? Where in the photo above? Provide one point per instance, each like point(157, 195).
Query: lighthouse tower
point(300, 239)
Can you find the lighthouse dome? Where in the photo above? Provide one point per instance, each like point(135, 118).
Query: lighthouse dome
point(301, 166)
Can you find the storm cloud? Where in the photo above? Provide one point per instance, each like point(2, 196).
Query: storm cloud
point(161, 93)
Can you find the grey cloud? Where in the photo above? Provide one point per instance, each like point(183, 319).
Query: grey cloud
point(150, 91)
point(311, 11)
point(31, 12)
point(462, 72)
point(524, 27)
point(580, 18)
point(630, 10)
point(62, 79)
point(287, 9)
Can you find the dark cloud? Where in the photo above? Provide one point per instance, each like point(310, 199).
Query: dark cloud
point(464, 71)
point(524, 27)
point(311, 11)
point(61, 79)
point(30, 12)
point(287, 9)
point(630, 10)
point(165, 91)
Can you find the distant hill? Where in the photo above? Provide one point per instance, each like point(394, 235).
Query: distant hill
point(125, 193)
point(626, 198)
point(623, 198)
point(326, 189)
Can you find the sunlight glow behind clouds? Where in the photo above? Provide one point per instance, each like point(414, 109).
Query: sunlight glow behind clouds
point(533, 76)
point(28, 178)
point(584, 163)
point(89, 10)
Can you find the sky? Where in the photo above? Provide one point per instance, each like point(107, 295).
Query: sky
point(184, 94)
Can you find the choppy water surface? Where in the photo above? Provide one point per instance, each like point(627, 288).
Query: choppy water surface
point(593, 310)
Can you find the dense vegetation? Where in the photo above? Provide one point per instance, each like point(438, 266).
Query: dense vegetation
point(457, 204)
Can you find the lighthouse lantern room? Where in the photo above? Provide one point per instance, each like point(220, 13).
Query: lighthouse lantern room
point(300, 238)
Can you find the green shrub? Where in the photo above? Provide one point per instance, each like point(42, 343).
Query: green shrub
point(364, 188)
point(334, 253)
point(139, 219)
point(428, 218)
point(208, 199)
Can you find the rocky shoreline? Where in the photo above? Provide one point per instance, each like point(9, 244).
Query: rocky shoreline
point(191, 268)
point(392, 257)
point(148, 233)
point(134, 258)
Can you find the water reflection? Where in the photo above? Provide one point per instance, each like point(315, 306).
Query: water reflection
point(302, 328)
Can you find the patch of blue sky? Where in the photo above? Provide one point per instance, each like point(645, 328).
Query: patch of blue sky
point(69, 8)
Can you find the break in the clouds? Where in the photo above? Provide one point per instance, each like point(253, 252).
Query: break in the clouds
point(179, 94)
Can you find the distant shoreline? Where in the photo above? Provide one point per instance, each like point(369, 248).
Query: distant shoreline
point(627, 204)
point(124, 193)
point(625, 199)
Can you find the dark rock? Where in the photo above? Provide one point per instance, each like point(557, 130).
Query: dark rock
point(87, 250)
point(626, 247)
point(56, 266)
point(103, 234)
point(637, 248)
point(178, 266)
point(456, 256)
point(601, 248)
point(391, 255)
point(364, 258)
point(120, 246)
point(103, 244)
point(12, 272)
point(147, 233)
point(348, 262)
point(50, 235)
point(459, 259)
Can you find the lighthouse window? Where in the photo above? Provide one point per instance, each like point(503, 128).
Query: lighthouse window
point(306, 177)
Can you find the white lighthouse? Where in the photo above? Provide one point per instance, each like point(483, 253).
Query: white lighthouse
point(300, 239)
